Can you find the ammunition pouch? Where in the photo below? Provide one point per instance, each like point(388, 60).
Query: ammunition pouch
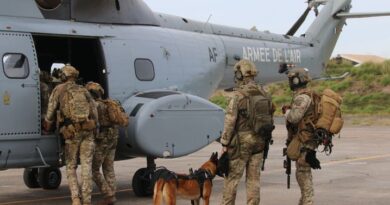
point(294, 149)
point(68, 132)
point(88, 125)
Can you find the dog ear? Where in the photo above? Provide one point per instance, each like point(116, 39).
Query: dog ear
point(214, 156)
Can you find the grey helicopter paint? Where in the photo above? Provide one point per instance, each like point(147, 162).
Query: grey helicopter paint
point(160, 67)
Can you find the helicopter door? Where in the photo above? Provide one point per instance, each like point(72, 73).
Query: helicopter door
point(19, 86)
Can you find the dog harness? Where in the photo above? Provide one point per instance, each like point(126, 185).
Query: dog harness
point(200, 175)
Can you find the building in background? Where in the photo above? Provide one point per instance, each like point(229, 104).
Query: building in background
point(357, 60)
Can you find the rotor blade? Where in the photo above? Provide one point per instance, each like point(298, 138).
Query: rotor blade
point(362, 15)
point(299, 23)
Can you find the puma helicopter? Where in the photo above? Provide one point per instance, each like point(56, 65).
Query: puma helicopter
point(162, 68)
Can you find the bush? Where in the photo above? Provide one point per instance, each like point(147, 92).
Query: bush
point(341, 86)
point(385, 81)
point(220, 100)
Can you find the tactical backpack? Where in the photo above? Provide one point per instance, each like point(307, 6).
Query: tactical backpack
point(116, 113)
point(259, 110)
point(75, 105)
point(326, 119)
point(329, 112)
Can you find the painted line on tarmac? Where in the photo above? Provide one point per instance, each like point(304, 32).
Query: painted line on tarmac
point(336, 162)
point(357, 159)
point(52, 198)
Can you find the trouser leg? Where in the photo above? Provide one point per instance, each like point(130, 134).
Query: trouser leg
point(98, 159)
point(253, 179)
point(305, 182)
point(108, 170)
point(236, 170)
point(86, 155)
point(71, 156)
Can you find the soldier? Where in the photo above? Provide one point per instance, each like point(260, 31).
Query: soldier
point(298, 114)
point(77, 121)
point(106, 143)
point(240, 139)
point(45, 89)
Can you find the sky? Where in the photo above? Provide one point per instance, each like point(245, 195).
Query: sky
point(360, 36)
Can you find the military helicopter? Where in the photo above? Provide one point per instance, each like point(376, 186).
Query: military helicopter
point(161, 67)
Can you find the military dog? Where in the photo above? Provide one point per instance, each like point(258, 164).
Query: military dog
point(198, 184)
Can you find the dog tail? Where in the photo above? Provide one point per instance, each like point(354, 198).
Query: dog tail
point(158, 192)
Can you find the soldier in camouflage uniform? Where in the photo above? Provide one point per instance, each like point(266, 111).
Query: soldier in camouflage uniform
point(297, 115)
point(45, 89)
point(244, 147)
point(79, 137)
point(106, 143)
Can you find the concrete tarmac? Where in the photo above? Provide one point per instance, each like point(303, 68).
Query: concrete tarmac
point(357, 172)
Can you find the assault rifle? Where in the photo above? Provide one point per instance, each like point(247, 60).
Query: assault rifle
point(266, 132)
point(287, 163)
point(291, 130)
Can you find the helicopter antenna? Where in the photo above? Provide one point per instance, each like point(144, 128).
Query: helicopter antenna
point(207, 22)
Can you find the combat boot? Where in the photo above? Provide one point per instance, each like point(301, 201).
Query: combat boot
point(108, 201)
point(76, 201)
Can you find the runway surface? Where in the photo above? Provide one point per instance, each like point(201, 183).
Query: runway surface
point(357, 172)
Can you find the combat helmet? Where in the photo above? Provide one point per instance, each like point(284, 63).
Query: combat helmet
point(69, 71)
point(298, 77)
point(95, 89)
point(244, 68)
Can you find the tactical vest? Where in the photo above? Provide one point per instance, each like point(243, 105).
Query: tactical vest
point(254, 110)
point(306, 125)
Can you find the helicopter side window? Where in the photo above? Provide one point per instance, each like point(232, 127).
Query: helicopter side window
point(15, 65)
point(144, 69)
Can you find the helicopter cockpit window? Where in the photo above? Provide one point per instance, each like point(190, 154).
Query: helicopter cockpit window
point(144, 69)
point(15, 65)
point(49, 4)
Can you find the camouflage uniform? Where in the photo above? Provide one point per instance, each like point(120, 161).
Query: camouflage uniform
point(301, 108)
point(45, 90)
point(104, 156)
point(245, 149)
point(81, 143)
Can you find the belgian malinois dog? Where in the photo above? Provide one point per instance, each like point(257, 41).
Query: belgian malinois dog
point(198, 184)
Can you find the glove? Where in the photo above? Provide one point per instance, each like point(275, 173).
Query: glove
point(223, 165)
point(285, 108)
point(46, 126)
point(312, 160)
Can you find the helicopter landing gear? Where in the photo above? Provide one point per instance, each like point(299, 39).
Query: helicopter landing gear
point(142, 179)
point(46, 178)
point(49, 178)
point(30, 178)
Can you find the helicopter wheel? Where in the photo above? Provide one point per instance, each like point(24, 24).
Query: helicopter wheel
point(49, 178)
point(141, 182)
point(142, 179)
point(30, 178)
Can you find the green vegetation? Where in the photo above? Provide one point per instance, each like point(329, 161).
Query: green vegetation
point(220, 100)
point(365, 91)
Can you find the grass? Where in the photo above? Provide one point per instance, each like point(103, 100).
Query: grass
point(219, 100)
